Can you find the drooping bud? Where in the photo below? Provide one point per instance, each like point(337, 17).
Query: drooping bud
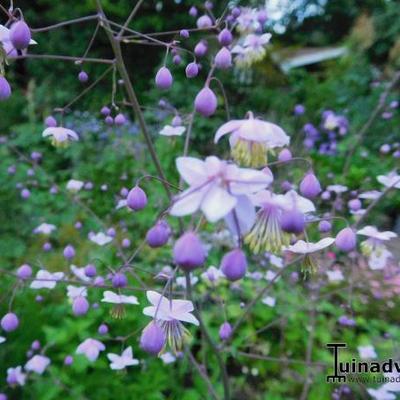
point(234, 265)
point(346, 240)
point(293, 221)
point(225, 37)
point(206, 102)
point(201, 49)
point(109, 120)
point(324, 226)
point(137, 199)
point(193, 11)
point(192, 70)
point(5, 89)
point(83, 77)
point(204, 22)
point(9, 322)
point(355, 204)
point(119, 119)
point(223, 59)
point(184, 33)
point(189, 252)
point(236, 12)
point(103, 329)
point(69, 252)
point(164, 78)
point(119, 280)
point(225, 331)
point(105, 111)
point(285, 155)
point(158, 235)
point(153, 338)
point(20, 35)
point(90, 271)
point(176, 121)
point(310, 186)
point(24, 271)
point(80, 306)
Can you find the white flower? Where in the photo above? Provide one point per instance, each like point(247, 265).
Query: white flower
point(121, 204)
point(167, 358)
point(60, 137)
point(74, 185)
point(91, 348)
point(269, 301)
point(373, 233)
point(16, 376)
point(122, 361)
point(215, 187)
point(335, 276)
point(302, 247)
point(100, 238)
point(2, 339)
point(37, 364)
point(381, 394)
point(169, 310)
point(271, 276)
point(169, 130)
point(212, 275)
point(379, 257)
point(45, 229)
point(114, 298)
point(276, 261)
point(337, 188)
point(74, 291)
point(390, 180)
point(367, 352)
point(79, 273)
point(370, 195)
point(46, 280)
point(181, 281)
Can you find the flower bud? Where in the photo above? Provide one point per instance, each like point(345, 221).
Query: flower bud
point(109, 120)
point(225, 37)
point(153, 338)
point(201, 49)
point(204, 22)
point(206, 102)
point(354, 204)
point(177, 59)
point(5, 89)
point(137, 199)
point(24, 271)
point(158, 235)
point(9, 322)
point(184, 33)
point(80, 306)
point(119, 119)
point(189, 252)
point(90, 271)
point(223, 59)
point(293, 221)
point(236, 12)
point(234, 265)
point(119, 280)
point(310, 186)
point(346, 240)
point(193, 11)
point(285, 155)
point(324, 226)
point(83, 77)
point(103, 329)
point(105, 111)
point(68, 360)
point(192, 70)
point(20, 35)
point(164, 78)
point(69, 252)
point(225, 331)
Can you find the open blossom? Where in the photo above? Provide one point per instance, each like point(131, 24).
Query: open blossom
point(5, 41)
point(390, 180)
point(100, 238)
point(46, 280)
point(91, 348)
point(79, 273)
point(215, 187)
point(38, 364)
point(76, 291)
point(45, 229)
point(15, 376)
point(114, 298)
point(366, 352)
point(373, 233)
point(122, 361)
point(212, 275)
point(267, 233)
point(333, 121)
point(169, 130)
point(60, 137)
point(74, 185)
point(170, 314)
point(251, 138)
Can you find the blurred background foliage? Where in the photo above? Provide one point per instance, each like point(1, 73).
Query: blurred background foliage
point(350, 85)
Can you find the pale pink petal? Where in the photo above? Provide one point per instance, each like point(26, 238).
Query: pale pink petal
point(226, 128)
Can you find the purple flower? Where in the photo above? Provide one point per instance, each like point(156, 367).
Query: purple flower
point(69, 252)
point(234, 265)
point(80, 306)
point(164, 78)
point(20, 35)
point(153, 338)
point(223, 59)
point(5, 88)
point(15, 376)
point(38, 364)
point(136, 199)
point(119, 280)
point(225, 331)
point(91, 348)
point(204, 22)
point(346, 240)
point(189, 252)
point(24, 271)
point(225, 37)
point(9, 322)
point(206, 102)
point(159, 234)
point(310, 186)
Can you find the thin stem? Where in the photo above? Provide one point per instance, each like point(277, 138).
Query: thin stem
point(215, 350)
point(116, 46)
point(131, 16)
point(63, 58)
point(65, 23)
